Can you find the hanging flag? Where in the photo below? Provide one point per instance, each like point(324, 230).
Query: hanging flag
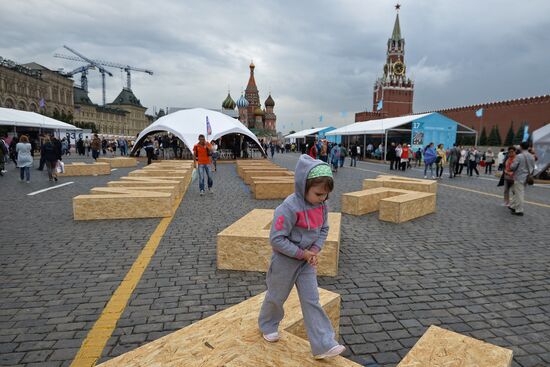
point(42, 103)
point(380, 105)
point(321, 118)
point(343, 113)
point(525, 133)
point(208, 127)
point(479, 113)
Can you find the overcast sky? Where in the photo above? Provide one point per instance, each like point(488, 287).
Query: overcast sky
point(316, 57)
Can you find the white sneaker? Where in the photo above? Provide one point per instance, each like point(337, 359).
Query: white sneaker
point(333, 352)
point(425, 176)
point(433, 178)
point(272, 338)
point(210, 191)
point(202, 193)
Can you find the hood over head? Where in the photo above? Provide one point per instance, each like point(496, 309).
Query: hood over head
point(303, 168)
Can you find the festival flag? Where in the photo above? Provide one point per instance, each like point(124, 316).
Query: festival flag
point(321, 118)
point(344, 113)
point(525, 133)
point(208, 127)
point(380, 105)
point(42, 103)
point(479, 113)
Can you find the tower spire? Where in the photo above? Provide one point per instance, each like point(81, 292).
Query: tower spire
point(396, 34)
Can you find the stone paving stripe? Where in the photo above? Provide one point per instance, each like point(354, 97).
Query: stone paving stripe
point(113, 169)
point(92, 347)
point(495, 195)
point(50, 188)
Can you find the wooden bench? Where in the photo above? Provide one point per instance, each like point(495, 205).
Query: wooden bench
point(242, 170)
point(231, 338)
point(159, 172)
point(394, 205)
point(248, 175)
point(403, 183)
point(271, 188)
point(177, 185)
point(86, 169)
point(245, 245)
point(119, 162)
point(440, 347)
point(125, 204)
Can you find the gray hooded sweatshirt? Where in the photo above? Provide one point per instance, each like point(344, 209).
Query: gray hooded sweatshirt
point(297, 224)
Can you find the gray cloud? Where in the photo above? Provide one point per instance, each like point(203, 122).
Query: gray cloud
point(317, 57)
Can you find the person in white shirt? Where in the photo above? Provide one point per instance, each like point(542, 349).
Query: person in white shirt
point(500, 159)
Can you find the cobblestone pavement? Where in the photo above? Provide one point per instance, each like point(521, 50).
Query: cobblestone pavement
point(471, 267)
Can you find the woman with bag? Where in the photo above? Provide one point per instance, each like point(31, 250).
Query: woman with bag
point(440, 160)
point(50, 156)
point(24, 158)
point(508, 175)
point(489, 161)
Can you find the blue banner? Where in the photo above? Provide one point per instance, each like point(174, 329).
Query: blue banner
point(434, 128)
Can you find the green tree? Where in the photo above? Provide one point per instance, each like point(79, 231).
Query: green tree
point(510, 136)
point(493, 139)
point(291, 132)
point(483, 137)
point(499, 139)
point(519, 135)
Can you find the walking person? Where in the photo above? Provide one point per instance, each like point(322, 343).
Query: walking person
point(335, 157)
point(50, 156)
point(473, 160)
point(523, 167)
point(429, 160)
point(353, 156)
point(390, 156)
point(500, 159)
point(24, 158)
point(440, 160)
point(87, 146)
point(298, 233)
point(323, 152)
point(95, 145)
point(404, 157)
point(149, 148)
point(397, 158)
point(313, 151)
point(214, 154)
point(508, 175)
point(4, 152)
point(202, 152)
point(462, 160)
point(489, 161)
point(454, 157)
point(343, 154)
point(418, 158)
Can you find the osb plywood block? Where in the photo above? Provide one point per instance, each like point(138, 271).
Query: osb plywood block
point(367, 201)
point(132, 189)
point(185, 179)
point(443, 348)
point(272, 189)
point(270, 179)
point(182, 164)
point(228, 335)
point(245, 162)
point(133, 204)
point(160, 172)
point(399, 182)
point(119, 162)
point(177, 186)
point(241, 170)
point(269, 173)
point(402, 208)
point(84, 169)
point(245, 245)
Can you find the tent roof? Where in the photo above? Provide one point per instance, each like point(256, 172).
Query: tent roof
point(376, 126)
point(189, 124)
point(541, 135)
point(307, 132)
point(12, 117)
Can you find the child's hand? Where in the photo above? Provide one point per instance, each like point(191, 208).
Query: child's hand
point(313, 261)
point(308, 255)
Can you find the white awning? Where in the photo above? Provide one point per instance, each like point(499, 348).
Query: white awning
point(303, 133)
point(376, 126)
point(189, 124)
point(11, 117)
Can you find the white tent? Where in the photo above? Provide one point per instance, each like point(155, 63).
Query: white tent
point(541, 144)
point(303, 133)
point(375, 126)
point(189, 124)
point(11, 117)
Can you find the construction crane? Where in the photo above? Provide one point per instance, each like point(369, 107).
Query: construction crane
point(126, 68)
point(91, 62)
point(83, 77)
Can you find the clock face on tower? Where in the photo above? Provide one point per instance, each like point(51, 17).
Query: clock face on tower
point(399, 68)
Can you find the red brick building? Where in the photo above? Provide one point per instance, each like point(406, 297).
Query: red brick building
point(393, 91)
point(396, 91)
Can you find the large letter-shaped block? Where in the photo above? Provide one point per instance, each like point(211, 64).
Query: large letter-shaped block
point(250, 174)
point(440, 347)
point(272, 188)
point(231, 338)
point(242, 169)
point(177, 185)
point(125, 205)
point(399, 182)
point(245, 245)
point(394, 205)
point(119, 162)
point(158, 172)
point(83, 169)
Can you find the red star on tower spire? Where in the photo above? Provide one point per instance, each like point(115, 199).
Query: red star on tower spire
point(397, 6)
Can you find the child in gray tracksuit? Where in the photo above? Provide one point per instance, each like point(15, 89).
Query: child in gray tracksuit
point(298, 233)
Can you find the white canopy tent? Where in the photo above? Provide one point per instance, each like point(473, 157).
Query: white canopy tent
point(375, 126)
point(189, 124)
point(303, 133)
point(541, 144)
point(17, 118)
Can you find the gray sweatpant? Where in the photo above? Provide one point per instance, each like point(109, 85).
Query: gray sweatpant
point(283, 273)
